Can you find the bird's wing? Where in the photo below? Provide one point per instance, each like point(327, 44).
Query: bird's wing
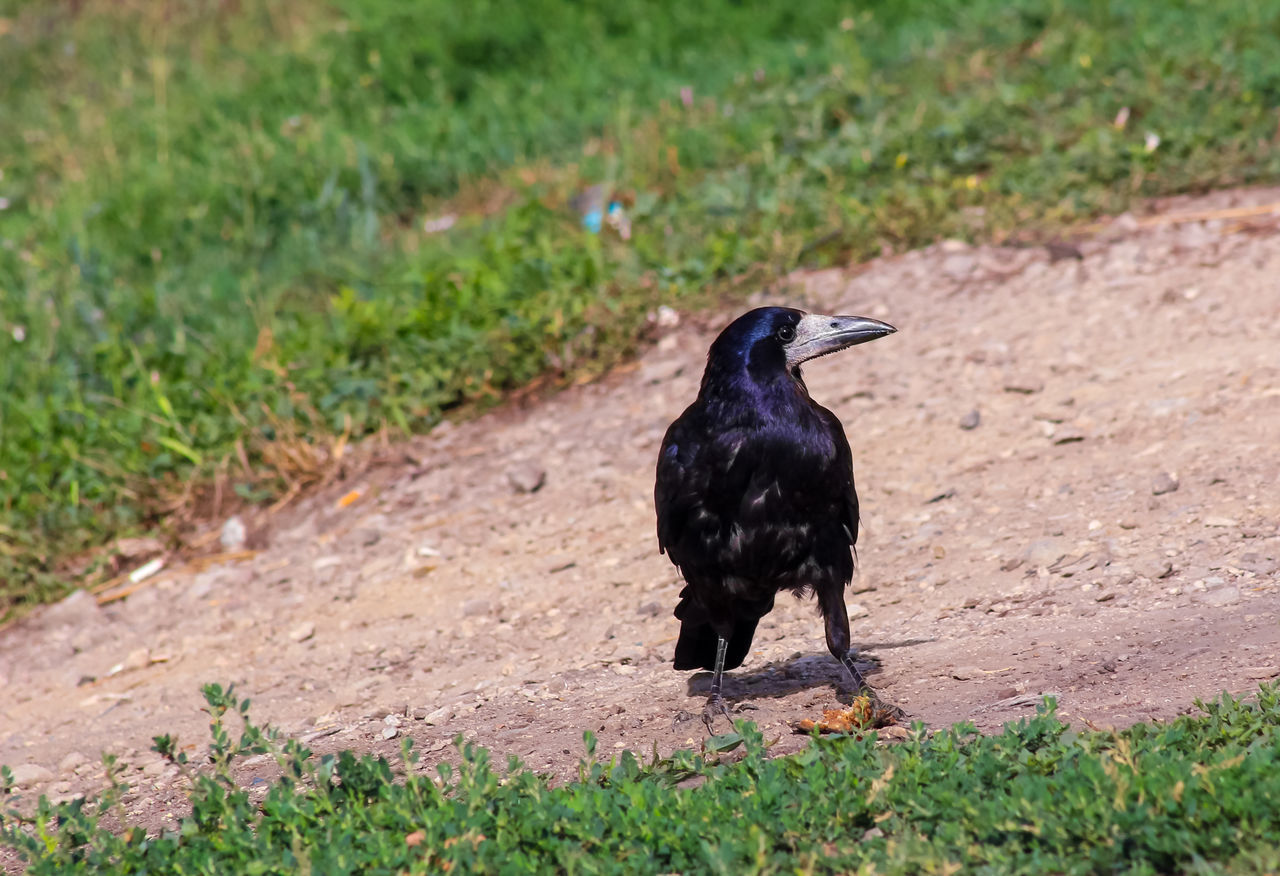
point(676, 487)
point(694, 466)
point(841, 472)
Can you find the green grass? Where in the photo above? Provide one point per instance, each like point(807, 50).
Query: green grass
point(212, 234)
point(1198, 795)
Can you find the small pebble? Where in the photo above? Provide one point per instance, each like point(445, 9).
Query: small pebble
point(476, 608)
point(1220, 598)
point(303, 631)
point(439, 716)
point(233, 534)
point(1163, 483)
point(29, 774)
point(970, 420)
point(1044, 552)
point(72, 762)
point(527, 477)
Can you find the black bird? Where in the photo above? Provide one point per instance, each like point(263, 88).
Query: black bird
point(755, 490)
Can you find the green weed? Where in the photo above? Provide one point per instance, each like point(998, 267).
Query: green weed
point(1200, 794)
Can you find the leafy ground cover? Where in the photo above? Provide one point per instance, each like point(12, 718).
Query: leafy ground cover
point(1198, 795)
point(213, 258)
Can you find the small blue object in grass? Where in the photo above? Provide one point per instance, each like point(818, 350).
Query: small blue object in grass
point(593, 219)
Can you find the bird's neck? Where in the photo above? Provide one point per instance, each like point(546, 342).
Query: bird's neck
point(778, 394)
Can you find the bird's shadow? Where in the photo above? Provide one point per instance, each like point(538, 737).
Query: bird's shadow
point(782, 678)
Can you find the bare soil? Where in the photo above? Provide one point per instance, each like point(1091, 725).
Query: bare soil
point(1107, 533)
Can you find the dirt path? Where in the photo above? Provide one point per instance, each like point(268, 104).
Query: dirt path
point(1044, 550)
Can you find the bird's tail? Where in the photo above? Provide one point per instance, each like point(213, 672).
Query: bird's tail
point(696, 647)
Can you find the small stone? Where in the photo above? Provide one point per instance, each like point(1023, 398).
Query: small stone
point(233, 534)
point(666, 317)
point(857, 610)
point(958, 266)
point(627, 653)
point(1261, 672)
point(527, 477)
point(662, 370)
point(1125, 223)
point(303, 631)
point(1220, 522)
point(476, 608)
point(970, 420)
point(1154, 567)
point(389, 732)
point(72, 762)
point(154, 768)
point(964, 673)
point(1257, 564)
point(439, 716)
point(1163, 483)
point(1044, 552)
point(650, 609)
point(1221, 597)
point(29, 774)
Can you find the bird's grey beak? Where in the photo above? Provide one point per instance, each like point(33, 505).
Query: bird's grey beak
point(818, 335)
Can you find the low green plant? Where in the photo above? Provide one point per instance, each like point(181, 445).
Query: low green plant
point(1198, 795)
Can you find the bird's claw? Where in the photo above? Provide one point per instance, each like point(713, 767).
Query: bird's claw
point(889, 712)
point(716, 707)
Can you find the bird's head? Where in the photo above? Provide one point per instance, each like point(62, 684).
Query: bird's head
point(770, 341)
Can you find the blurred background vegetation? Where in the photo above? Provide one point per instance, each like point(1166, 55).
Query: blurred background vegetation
point(229, 227)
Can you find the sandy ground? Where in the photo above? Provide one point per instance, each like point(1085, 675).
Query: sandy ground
point(1106, 532)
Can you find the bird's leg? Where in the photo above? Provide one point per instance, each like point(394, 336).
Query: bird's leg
point(831, 601)
point(715, 703)
point(838, 643)
point(837, 618)
point(855, 674)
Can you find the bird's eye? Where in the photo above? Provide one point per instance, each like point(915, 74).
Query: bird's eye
point(787, 334)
